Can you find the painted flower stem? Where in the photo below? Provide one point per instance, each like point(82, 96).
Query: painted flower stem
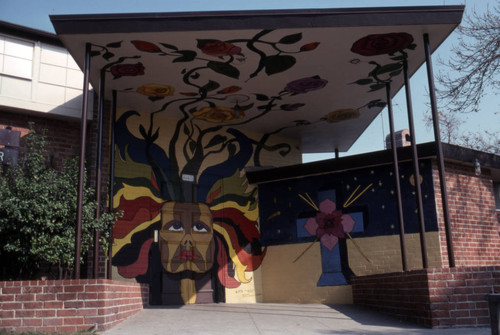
point(303, 252)
point(357, 247)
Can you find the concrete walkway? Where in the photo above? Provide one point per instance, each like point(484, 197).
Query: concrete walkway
point(246, 319)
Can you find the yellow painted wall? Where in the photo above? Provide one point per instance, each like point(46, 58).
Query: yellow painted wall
point(384, 252)
point(288, 282)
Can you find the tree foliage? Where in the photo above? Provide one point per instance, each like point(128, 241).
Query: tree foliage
point(475, 63)
point(38, 210)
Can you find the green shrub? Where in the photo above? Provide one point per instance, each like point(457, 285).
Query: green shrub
point(38, 211)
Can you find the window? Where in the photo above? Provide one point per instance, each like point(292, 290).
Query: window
point(16, 57)
point(496, 189)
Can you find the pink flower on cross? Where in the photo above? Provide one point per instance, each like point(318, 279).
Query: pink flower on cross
point(329, 224)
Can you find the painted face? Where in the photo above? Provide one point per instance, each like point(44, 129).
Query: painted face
point(186, 237)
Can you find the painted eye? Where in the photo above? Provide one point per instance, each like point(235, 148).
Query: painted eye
point(176, 226)
point(200, 228)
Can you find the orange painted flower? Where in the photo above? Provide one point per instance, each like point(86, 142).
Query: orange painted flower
point(156, 90)
point(218, 114)
point(341, 115)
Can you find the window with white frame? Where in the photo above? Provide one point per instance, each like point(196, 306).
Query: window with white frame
point(16, 57)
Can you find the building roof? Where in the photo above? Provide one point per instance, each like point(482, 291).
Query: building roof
point(316, 75)
point(29, 33)
point(451, 153)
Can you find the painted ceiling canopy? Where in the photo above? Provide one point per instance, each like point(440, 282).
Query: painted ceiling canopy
point(317, 75)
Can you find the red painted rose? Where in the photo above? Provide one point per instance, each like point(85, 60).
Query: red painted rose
point(145, 46)
point(130, 70)
point(379, 44)
point(219, 48)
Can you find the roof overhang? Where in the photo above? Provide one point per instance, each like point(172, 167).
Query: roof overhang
point(305, 74)
point(451, 153)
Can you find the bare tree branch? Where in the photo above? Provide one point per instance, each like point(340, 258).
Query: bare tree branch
point(475, 62)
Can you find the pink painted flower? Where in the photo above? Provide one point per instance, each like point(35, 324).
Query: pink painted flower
point(329, 224)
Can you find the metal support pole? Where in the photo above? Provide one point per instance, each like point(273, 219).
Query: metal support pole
point(111, 179)
point(396, 178)
point(98, 176)
point(439, 149)
point(337, 153)
point(81, 174)
point(416, 169)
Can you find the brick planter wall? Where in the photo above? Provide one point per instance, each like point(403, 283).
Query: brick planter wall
point(68, 305)
point(437, 298)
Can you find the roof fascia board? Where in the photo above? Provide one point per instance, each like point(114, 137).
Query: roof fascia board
point(28, 33)
point(255, 19)
point(377, 158)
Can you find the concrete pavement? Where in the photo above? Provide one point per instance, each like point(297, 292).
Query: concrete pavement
point(250, 319)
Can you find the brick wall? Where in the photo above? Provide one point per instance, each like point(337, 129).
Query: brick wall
point(474, 221)
point(438, 298)
point(68, 305)
point(63, 135)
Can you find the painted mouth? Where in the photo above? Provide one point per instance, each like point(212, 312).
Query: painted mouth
point(188, 255)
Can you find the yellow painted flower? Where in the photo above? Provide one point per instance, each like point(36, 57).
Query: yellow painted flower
point(156, 90)
point(219, 114)
point(342, 115)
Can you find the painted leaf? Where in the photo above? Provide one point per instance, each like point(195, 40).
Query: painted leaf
point(261, 97)
point(399, 58)
point(108, 55)
point(210, 86)
point(143, 131)
point(224, 69)
point(192, 146)
point(246, 107)
point(388, 68)
point(169, 46)
point(291, 39)
point(276, 64)
point(376, 87)
point(231, 148)
point(186, 56)
point(186, 129)
point(217, 139)
point(364, 81)
point(155, 135)
point(395, 73)
point(114, 44)
point(94, 53)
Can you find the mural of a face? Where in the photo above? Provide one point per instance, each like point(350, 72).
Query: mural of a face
point(186, 237)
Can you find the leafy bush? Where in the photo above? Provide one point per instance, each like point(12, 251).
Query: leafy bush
point(38, 211)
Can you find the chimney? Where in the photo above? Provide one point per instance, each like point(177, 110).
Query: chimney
point(403, 139)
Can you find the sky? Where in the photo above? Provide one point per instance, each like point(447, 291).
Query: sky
point(35, 14)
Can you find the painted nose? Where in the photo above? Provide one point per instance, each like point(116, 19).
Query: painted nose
point(187, 240)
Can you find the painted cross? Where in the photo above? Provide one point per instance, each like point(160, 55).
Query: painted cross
point(330, 227)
